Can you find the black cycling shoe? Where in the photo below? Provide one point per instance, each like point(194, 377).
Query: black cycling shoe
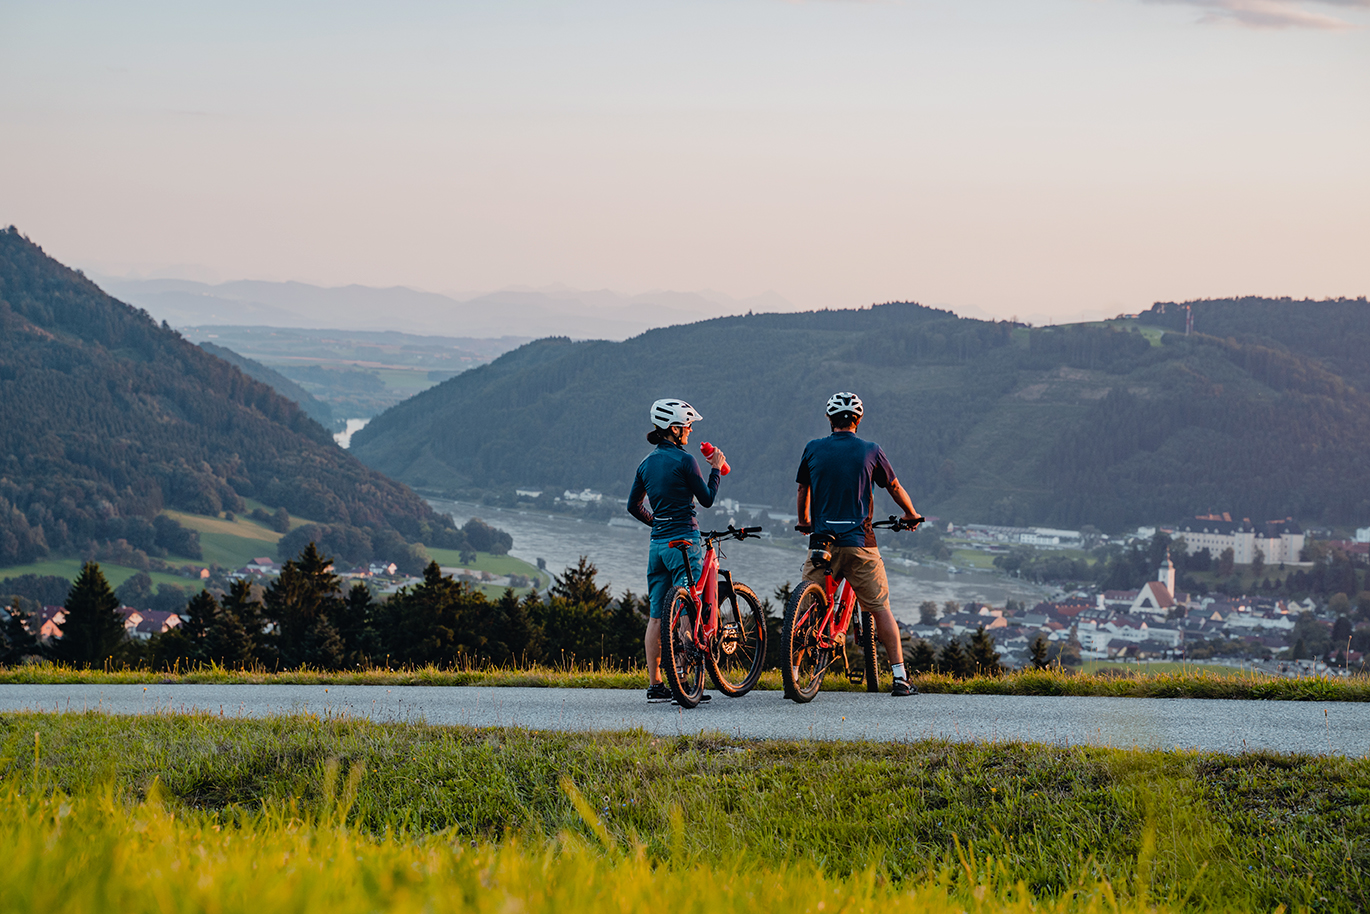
point(903, 687)
point(659, 692)
point(703, 698)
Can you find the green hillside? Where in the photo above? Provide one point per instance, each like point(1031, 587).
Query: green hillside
point(315, 409)
point(1113, 425)
point(109, 421)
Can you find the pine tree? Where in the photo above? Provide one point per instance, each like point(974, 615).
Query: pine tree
point(303, 601)
point(922, 658)
point(984, 659)
point(578, 585)
point(626, 626)
point(952, 660)
point(1039, 653)
point(16, 641)
point(355, 625)
point(248, 611)
point(93, 628)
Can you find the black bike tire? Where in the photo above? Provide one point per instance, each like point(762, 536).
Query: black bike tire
point(744, 604)
point(680, 661)
point(803, 614)
point(868, 651)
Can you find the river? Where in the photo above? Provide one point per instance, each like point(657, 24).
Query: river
point(620, 554)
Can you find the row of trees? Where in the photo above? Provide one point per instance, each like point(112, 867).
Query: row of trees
point(306, 618)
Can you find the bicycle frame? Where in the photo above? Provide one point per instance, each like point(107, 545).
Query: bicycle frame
point(703, 592)
point(841, 606)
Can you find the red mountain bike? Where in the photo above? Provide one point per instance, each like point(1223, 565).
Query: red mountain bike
point(706, 625)
point(816, 620)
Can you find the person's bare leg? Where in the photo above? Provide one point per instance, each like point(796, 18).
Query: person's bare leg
point(888, 631)
point(652, 642)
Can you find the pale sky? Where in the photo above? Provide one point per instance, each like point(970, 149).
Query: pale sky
point(1001, 157)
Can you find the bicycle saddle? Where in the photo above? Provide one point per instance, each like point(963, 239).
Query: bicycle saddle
point(820, 549)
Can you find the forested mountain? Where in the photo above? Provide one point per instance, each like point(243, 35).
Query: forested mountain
point(106, 418)
point(983, 421)
point(315, 409)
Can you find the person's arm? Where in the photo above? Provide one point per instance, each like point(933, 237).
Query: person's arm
point(637, 499)
point(802, 507)
point(883, 476)
point(901, 498)
point(704, 492)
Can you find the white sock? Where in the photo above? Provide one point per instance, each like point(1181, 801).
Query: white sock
point(898, 669)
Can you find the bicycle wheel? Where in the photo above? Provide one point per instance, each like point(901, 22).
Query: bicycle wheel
point(739, 649)
point(682, 662)
point(805, 662)
point(866, 635)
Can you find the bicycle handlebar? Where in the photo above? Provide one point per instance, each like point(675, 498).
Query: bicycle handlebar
point(894, 523)
point(735, 532)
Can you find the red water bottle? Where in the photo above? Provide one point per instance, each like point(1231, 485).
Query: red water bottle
point(707, 449)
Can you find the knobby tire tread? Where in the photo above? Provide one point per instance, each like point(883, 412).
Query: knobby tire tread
point(683, 666)
point(804, 664)
point(742, 606)
point(868, 640)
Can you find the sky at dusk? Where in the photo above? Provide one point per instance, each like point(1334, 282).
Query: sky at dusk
point(1037, 158)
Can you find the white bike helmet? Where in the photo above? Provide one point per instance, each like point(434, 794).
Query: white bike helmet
point(845, 402)
point(666, 413)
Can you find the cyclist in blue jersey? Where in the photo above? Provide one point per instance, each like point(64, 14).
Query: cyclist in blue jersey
point(670, 480)
point(836, 476)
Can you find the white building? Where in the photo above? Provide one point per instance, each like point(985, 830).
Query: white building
point(1280, 541)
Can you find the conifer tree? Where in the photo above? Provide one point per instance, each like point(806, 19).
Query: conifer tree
point(16, 641)
point(248, 611)
point(952, 660)
point(984, 659)
point(303, 602)
point(578, 585)
point(1039, 653)
point(922, 659)
point(93, 628)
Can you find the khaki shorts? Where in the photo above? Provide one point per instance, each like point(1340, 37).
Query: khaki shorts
point(863, 567)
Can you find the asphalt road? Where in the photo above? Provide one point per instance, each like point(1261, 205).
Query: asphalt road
point(1340, 728)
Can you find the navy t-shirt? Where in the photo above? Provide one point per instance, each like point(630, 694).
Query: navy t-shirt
point(671, 479)
point(839, 471)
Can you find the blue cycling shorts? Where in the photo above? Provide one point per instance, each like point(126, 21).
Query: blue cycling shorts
point(666, 571)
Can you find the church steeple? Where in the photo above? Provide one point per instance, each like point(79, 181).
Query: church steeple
point(1166, 575)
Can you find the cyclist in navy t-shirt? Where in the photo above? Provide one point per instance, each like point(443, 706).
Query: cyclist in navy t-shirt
point(670, 479)
point(836, 499)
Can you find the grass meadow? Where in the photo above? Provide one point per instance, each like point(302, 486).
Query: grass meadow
point(303, 814)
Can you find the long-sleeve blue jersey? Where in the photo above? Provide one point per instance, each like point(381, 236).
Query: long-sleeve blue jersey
point(671, 479)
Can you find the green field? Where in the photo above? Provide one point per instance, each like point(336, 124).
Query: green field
point(116, 574)
point(230, 543)
point(199, 813)
point(495, 564)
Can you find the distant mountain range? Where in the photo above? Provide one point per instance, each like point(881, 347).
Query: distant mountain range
point(513, 312)
point(1112, 424)
point(107, 418)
